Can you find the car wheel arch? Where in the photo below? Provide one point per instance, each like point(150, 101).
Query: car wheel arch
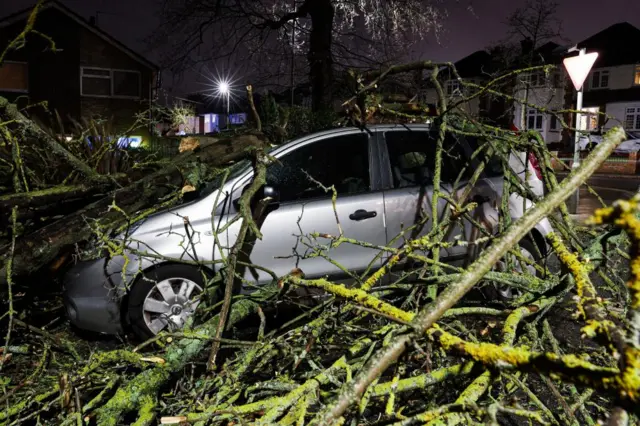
point(124, 300)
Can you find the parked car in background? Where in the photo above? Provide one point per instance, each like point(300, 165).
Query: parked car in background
point(590, 141)
point(384, 179)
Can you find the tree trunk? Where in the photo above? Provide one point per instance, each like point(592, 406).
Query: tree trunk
point(35, 250)
point(320, 59)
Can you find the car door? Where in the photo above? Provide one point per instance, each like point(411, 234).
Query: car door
point(300, 177)
point(409, 157)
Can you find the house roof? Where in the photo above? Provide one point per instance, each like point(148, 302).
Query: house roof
point(616, 45)
point(549, 53)
point(54, 4)
point(475, 64)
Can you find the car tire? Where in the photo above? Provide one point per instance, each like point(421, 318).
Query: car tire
point(163, 298)
point(591, 146)
point(502, 294)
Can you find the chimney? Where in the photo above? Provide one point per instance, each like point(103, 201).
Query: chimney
point(526, 45)
point(92, 21)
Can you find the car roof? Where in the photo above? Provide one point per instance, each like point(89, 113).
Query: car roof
point(373, 127)
point(346, 130)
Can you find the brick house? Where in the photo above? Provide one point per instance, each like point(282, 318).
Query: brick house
point(613, 86)
point(474, 68)
point(544, 89)
point(89, 75)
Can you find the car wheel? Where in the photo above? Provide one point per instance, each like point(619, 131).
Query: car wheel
point(164, 298)
point(503, 293)
point(591, 146)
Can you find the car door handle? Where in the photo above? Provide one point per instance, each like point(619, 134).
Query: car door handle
point(362, 214)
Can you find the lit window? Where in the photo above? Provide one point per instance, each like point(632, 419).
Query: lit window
point(534, 119)
point(239, 118)
point(102, 82)
point(632, 119)
point(14, 77)
point(600, 80)
point(636, 75)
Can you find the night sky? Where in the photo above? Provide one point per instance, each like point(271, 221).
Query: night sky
point(465, 31)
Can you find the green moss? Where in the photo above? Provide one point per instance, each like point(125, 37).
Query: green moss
point(355, 295)
point(146, 414)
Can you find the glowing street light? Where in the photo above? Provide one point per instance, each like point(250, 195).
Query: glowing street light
point(225, 90)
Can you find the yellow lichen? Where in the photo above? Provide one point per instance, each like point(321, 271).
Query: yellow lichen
point(629, 380)
point(360, 296)
point(584, 287)
point(624, 214)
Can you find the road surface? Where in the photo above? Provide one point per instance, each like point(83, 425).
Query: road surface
point(609, 187)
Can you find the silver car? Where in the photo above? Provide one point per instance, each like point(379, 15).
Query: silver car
point(384, 179)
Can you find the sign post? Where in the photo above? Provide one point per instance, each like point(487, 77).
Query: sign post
point(578, 68)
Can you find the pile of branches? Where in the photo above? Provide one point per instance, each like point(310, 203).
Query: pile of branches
point(403, 353)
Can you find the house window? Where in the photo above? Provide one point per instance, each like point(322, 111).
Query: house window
point(453, 87)
point(14, 77)
point(101, 82)
point(636, 75)
point(534, 119)
point(600, 80)
point(554, 123)
point(537, 79)
point(632, 119)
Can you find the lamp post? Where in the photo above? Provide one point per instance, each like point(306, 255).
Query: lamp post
point(578, 68)
point(223, 88)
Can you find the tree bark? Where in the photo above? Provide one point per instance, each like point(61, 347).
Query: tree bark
point(21, 125)
point(319, 56)
point(39, 248)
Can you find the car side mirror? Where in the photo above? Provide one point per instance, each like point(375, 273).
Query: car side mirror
point(267, 191)
point(271, 192)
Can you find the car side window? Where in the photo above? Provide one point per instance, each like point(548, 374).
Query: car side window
point(412, 155)
point(493, 166)
point(342, 161)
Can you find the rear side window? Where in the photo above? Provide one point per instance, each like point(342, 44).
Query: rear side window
point(493, 166)
point(412, 155)
point(341, 161)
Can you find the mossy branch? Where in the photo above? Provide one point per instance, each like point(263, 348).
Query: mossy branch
point(432, 312)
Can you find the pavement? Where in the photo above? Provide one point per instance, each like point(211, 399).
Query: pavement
point(609, 187)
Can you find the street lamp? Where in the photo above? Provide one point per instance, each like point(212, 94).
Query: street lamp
point(578, 68)
point(224, 89)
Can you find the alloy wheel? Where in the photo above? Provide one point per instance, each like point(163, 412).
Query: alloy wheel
point(170, 303)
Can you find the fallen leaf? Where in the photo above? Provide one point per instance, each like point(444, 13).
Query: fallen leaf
point(188, 188)
point(172, 420)
point(188, 144)
point(5, 359)
point(154, 359)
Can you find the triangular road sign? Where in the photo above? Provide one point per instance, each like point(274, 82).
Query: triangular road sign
point(579, 66)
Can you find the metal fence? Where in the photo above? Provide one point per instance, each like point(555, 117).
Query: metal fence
point(165, 147)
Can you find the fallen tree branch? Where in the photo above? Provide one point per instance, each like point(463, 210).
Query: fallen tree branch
point(41, 247)
point(432, 312)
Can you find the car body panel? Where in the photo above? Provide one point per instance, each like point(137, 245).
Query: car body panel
point(284, 245)
point(94, 290)
point(632, 144)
